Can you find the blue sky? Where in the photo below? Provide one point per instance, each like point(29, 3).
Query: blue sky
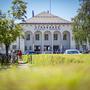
point(66, 9)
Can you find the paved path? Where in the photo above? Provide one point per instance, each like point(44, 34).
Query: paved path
point(23, 66)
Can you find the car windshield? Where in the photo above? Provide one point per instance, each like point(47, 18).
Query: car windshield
point(29, 52)
point(72, 52)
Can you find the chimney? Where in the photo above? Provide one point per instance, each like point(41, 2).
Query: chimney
point(48, 11)
point(32, 13)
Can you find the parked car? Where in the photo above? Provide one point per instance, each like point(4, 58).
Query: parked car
point(28, 52)
point(86, 52)
point(72, 51)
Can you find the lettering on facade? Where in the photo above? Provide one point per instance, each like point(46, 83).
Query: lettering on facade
point(47, 27)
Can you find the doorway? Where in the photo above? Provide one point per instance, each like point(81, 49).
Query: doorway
point(56, 48)
point(37, 48)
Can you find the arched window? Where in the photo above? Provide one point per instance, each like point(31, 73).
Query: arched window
point(65, 36)
point(37, 37)
point(28, 37)
point(46, 37)
point(55, 36)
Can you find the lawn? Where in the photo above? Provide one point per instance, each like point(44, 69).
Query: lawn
point(49, 72)
point(55, 59)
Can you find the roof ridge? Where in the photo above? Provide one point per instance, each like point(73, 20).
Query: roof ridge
point(40, 14)
point(46, 17)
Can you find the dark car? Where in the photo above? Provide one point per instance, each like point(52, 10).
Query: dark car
point(86, 52)
point(28, 52)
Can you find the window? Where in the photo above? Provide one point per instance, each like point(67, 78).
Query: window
point(84, 47)
point(37, 37)
point(35, 27)
point(41, 27)
point(44, 27)
point(30, 48)
point(49, 27)
point(25, 47)
point(46, 37)
point(58, 27)
point(65, 36)
point(77, 46)
point(53, 27)
point(28, 37)
point(14, 46)
point(55, 36)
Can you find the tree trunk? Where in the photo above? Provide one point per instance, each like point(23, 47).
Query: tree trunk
point(7, 59)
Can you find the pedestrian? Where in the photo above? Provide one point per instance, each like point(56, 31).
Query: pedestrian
point(12, 55)
point(20, 55)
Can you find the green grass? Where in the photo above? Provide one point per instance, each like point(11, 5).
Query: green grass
point(49, 72)
point(55, 59)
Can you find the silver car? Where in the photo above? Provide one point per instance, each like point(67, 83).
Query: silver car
point(72, 51)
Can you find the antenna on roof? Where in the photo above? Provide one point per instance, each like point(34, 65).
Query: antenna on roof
point(50, 6)
point(32, 13)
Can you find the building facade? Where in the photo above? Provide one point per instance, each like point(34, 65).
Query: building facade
point(46, 33)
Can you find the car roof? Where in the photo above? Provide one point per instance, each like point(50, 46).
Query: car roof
point(72, 50)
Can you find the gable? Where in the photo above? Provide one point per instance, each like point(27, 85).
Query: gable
point(46, 17)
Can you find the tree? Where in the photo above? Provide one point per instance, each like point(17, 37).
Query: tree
point(9, 29)
point(81, 23)
point(18, 9)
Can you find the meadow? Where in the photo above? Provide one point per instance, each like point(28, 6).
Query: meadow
point(48, 72)
point(55, 59)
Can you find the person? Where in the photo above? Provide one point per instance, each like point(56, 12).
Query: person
point(12, 56)
point(20, 55)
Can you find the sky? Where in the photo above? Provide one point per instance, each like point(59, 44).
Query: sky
point(66, 9)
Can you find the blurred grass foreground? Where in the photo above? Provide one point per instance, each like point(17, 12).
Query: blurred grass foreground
point(48, 72)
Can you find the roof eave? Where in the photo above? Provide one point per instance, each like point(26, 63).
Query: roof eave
point(46, 23)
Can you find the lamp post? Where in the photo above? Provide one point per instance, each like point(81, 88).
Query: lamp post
point(33, 41)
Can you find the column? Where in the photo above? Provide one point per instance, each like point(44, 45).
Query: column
point(52, 40)
point(42, 42)
point(33, 41)
point(21, 44)
point(18, 43)
point(61, 42)
point(72, 41)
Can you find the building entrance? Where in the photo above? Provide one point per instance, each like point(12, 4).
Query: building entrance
point(46, 48)
point(37, 48)
point(56, 49)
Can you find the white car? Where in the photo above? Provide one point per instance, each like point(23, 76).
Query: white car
point(72, 51)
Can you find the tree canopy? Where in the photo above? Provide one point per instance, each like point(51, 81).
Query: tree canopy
point(18, 9)
point(81, 23)
point(9, 29)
